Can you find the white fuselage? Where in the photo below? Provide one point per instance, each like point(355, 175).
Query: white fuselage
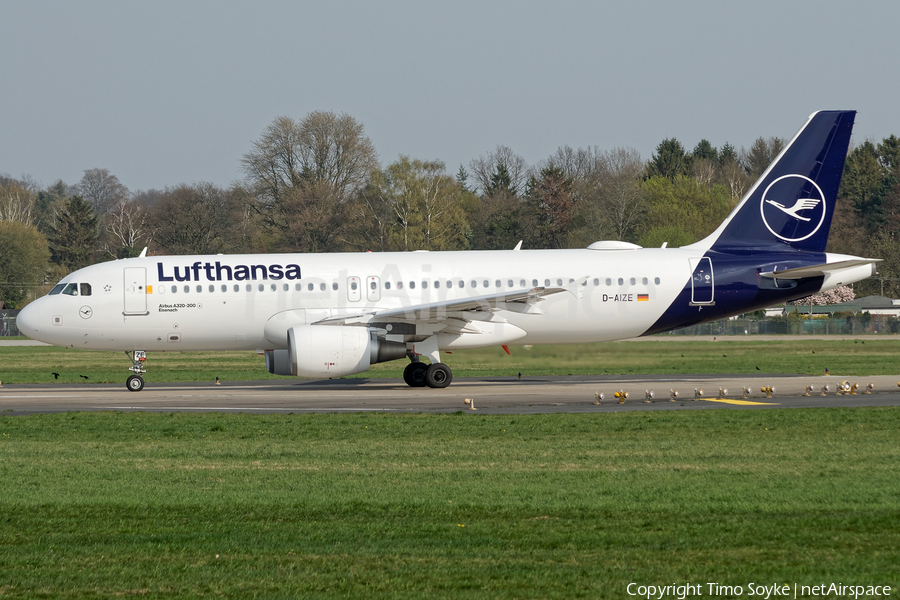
point(623, 293)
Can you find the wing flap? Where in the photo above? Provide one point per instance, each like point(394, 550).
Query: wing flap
point(446, 308)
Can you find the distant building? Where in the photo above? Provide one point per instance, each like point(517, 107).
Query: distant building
point(874, 305)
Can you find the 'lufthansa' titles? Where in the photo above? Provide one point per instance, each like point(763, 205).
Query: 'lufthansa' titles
point(219, 272)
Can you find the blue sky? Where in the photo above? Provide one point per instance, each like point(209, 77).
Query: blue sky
point(162, 93)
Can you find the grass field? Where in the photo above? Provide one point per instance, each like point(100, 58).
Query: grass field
point(878, 356)
point(104, 505)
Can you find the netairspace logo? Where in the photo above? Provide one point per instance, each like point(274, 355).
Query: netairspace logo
point(756, 590)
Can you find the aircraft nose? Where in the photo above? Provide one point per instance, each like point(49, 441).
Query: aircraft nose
point(28, 320)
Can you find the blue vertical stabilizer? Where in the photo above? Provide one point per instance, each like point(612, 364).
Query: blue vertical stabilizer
point(792, 203)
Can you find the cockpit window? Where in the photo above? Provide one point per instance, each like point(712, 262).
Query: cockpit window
point(57, 289)
point(71, 289)
point(85, 289)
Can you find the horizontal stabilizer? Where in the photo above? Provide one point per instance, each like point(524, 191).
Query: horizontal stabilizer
point(821, 270)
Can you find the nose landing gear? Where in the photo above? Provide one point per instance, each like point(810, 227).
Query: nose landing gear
point(135, 383)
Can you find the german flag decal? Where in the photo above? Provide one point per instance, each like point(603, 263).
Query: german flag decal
point(643, 297)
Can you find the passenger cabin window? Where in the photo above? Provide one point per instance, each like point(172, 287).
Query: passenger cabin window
point(174, 289)
point(187, 289)
point(645, 281)
point(322, 287)
point(212, 288)
point(656, 281)
point(310, 286)
point(534, 283)
point(85, 289)
point(199, 288)
point(412, 285)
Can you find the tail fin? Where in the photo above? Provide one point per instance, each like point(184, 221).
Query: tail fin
point(793, 201)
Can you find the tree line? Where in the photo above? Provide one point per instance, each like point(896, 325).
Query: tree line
point(316, 185)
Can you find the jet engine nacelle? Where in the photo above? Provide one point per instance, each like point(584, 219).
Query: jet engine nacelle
point(331, 351)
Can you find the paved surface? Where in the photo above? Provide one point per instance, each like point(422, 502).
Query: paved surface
point(490, 395)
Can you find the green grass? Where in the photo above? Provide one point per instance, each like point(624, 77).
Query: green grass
point(99, 505)
point(878, 356)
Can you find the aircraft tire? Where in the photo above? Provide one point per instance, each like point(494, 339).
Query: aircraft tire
point(134, 383)
point(414, 374)
point(438, 375)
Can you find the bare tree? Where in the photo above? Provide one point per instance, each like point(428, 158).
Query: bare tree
point(17, 201)
point(102, 190)
point(307, 173)
point(193, 219)
point(414, 205)
point(127, 225)
point(621, 199)
point(704, 170)
point(500, 169)
point(323, 148)
point(734, 177)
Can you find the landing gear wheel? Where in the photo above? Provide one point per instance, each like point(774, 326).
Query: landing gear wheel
point(414, 374)
point(134, 383)
point(438, 375)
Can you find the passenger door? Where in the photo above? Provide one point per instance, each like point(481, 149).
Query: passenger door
point(136, 291)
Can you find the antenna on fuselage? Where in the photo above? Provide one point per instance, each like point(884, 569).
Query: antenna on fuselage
point(143, 252)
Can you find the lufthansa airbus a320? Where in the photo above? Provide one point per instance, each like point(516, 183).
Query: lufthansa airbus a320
point(330, 315)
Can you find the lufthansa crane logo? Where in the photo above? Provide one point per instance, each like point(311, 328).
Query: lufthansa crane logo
point(793, 208)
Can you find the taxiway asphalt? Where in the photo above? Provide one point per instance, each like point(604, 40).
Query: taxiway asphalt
point(491, 395)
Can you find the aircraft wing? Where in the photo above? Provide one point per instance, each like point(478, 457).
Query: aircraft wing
point(821, 270)
point(444, 309)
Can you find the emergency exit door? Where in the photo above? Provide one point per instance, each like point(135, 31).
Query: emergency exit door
point(702, 281)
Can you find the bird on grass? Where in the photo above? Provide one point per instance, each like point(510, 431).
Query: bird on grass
point(55, 375)
point(83, 376)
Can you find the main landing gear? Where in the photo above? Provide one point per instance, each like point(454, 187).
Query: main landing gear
point(418, 374)
point(135, 383)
